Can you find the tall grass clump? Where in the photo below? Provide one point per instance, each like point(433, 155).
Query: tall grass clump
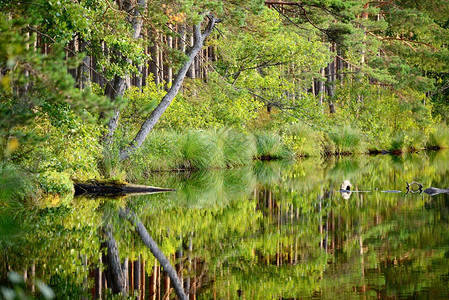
point(347, 140)
point(415, 140)
point(109, 165)
point(15, 186)
point(238, 148)
point(270, 146)
point(302, 140)
point(161, 151)
point(439, 139)
point(407, 141)
point(200, 150)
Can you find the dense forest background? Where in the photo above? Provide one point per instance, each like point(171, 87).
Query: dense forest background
point(117, 89)
point(104, 89)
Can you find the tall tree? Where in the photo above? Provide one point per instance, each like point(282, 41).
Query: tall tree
point(199, 38)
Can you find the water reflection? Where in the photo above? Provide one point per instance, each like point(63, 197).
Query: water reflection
point(274, 230)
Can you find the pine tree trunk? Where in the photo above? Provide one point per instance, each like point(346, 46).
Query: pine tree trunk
point(116, 88)
point(330, 85)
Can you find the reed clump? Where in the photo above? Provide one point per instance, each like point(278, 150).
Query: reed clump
point(347, 140)
point(270, 146)
point(439, 138)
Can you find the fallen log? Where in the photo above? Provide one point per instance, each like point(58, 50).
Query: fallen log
point(118, 188)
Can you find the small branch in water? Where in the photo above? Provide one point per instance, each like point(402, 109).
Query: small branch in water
point(410, 188)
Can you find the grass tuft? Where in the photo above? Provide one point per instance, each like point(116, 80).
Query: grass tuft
point(238, 148)
point(439, 139)
point(15, 186)
point(347, 140)
point(270, 146)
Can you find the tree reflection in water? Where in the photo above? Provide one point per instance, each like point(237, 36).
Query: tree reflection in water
point(275, 230)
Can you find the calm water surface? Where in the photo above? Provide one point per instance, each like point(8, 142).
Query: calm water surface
point(270, 231)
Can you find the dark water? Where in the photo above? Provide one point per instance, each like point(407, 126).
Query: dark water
point(270, 231)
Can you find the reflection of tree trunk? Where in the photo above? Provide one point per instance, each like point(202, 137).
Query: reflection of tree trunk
point(166, 286)
point(114, 273)
point(33, 277)
point(189, 266)
point(151, 244)
point(153, 281)
point(142, 278)
point(85, 269)
point(137, 274)
point(98, 282)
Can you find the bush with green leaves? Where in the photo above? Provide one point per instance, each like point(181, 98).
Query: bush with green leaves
point(303, 140)
point(384, 115)
point(56, 183)
point(213, 104)
point(70, 145)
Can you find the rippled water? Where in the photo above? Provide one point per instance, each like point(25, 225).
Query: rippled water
point(270, 231)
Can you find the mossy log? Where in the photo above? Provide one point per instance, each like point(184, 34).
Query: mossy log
point(114, 187)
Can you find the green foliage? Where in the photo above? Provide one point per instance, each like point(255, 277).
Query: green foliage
point(53, 182)
point(408, 141)
point(302, 140)
point(110, 166)
point(238, 148)
point(140, 103)
point(193, 149)
point(33, 84)
point(212, 104)
point(200, 150)
point(383, 115)
point(69, 145)
point(17, 289)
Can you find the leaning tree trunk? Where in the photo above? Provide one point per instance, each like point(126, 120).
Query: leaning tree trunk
point(116, 88)
point(151, 121)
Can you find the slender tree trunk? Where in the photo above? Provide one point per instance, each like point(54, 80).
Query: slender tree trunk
point(191, 70)
point(330, 85)
point(116, 88)
point(98, 282)
point(154, 64)
point(151, 121)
